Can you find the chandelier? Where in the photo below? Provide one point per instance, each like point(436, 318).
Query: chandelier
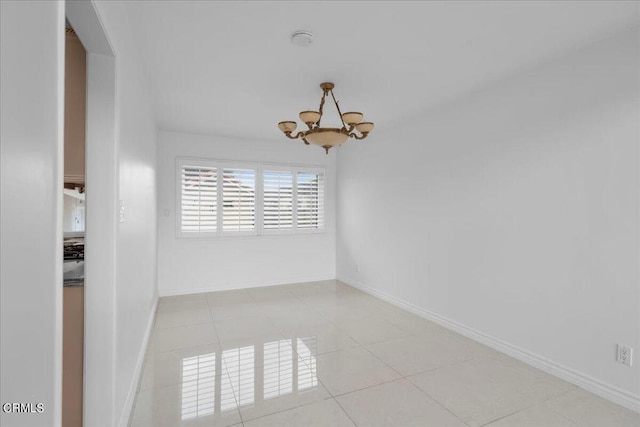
point(324, 136)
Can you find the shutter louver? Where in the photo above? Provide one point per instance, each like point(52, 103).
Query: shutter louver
point(238, 199)
point(310, 200)
point(199, 204)
point(278, 200)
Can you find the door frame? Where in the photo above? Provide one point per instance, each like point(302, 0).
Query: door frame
point(101, 160)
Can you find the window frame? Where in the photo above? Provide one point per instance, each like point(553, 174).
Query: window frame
point(259, 168)
point(180, 163)
point(270, 167)
point(313, 171)
point(294, 169)
point(237, 165)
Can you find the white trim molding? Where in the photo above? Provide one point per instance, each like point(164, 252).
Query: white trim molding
point(137, 373)
point(606, 391)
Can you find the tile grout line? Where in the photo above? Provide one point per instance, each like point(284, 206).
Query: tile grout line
point(436, 401)
point(345, 412)
point(331, 396)
point(535, 404)
point(383, 362)
point(504, 416)
point(364, 388)
point(491, 421)
point(358, 345)
point(289, 409)
point(242, 420)
point(224, 365)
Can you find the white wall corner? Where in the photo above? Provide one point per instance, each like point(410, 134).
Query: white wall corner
point(127, 410)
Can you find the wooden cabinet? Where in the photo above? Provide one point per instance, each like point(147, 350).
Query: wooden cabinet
point(75, 104)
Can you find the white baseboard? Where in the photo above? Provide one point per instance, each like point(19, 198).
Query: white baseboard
point(137, 373)
point(606, 391)
point(236, 286)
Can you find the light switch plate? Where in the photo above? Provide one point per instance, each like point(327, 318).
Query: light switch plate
point(121, 211)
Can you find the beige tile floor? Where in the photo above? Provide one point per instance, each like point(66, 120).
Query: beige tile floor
point(326, 354)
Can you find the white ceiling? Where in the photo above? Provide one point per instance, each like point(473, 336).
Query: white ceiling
point(229, 68)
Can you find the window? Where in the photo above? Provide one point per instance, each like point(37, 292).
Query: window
point(310, 200)
point(278, 200)
point(216, 198)
point(219, 198)
point(293, 200)
point(239, 200)
point(199, 189)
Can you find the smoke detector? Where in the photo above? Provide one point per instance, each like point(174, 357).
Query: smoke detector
point(302, 38)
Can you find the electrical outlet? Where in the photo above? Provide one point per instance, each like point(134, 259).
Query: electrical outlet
point(625, 355)
point(357, 268)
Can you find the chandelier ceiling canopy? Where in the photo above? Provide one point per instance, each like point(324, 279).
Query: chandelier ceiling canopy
point(328, 137)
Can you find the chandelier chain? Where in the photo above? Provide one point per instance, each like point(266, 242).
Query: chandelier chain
point(338, 108)
point(324, 94)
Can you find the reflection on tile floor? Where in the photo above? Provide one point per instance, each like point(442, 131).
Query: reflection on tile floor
point(326, 354)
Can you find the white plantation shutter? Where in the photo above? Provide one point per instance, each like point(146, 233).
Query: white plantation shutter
point(222, 198)
point(238, 200)
point(198, 207)
point(277, 189)
point(310, 200)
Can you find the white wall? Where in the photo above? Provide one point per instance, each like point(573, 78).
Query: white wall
point(101, 225)
point(136, 291)
point(32, 76)
point(200, 265)
point(32, 113)
point(513, 212)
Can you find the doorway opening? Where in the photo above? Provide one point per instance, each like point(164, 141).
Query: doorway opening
point(73, 227)
point(100, 215)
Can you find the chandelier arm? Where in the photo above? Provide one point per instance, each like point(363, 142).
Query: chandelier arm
point(324, 94)
point(296, 136)
point(338, 108)
point(356, 136)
